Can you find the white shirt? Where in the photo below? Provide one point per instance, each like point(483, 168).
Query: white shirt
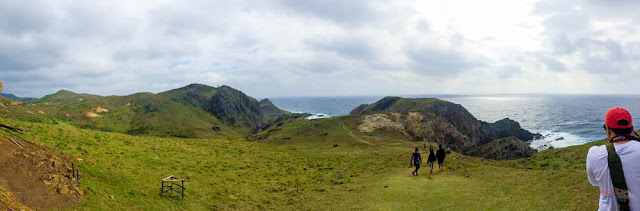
point(598, 171)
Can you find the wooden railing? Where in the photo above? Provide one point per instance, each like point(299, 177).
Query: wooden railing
point(172, 187)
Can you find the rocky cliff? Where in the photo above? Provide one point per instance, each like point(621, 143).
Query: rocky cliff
point(505, 149)
point(417, 126)
point(271, 113)
point(438, 115)
point(505, 128)
point(235, 108)
point(478, 131)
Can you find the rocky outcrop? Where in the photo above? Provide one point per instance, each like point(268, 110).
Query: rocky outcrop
point(505, 149)
point(440, 121)
point(455, 114)
point(235, 108)
point(231, 106)
point(477, 131)
point(271, 113)
point(506, 128)
point(417, 126)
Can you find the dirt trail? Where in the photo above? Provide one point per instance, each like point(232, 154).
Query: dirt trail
point(34, 178)
point(353, 135)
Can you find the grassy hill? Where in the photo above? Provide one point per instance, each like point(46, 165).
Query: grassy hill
point(191, 112)
point(123, 172)
point(351, 162)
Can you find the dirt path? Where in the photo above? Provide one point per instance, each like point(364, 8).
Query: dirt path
point(37, 178)
point(352, 135)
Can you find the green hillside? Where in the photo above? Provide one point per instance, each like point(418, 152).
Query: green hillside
point(250, 155)
point(194, 111)
point(65, 95)
point(342, 170)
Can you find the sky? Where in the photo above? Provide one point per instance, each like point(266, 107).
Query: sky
point(280, 48)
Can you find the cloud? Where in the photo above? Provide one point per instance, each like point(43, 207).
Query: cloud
point(508, 71)
point(560, 44)
point(351, 13)
point(18, 18)
point(434, 61)
point(550, 63)
point(349, 46)
point(423, 26)
point(595, 37)
point(300, 48)
point(28, 52)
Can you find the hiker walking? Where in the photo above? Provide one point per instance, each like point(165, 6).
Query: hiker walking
point(440, 154)
point(416, 160)
point(614, 167)
point(432, 158)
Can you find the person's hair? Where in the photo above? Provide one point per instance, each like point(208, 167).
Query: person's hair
point(621, 131)
point(416, 149)
point(440, 146)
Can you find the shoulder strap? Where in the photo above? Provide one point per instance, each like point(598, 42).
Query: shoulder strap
point(617, 178)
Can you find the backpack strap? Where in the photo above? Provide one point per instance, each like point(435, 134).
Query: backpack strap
point(617, 178)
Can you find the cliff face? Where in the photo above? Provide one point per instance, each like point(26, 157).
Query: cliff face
point(417, 126)
point(478, 131)
point(235, 108)
point(271, 113)
point(505, 149)
point(470, 132)
point(229, 105)
point(506, 128)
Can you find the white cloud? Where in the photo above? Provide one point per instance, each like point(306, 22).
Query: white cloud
point(309, 48)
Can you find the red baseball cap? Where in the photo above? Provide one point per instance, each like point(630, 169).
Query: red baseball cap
point(618, 118)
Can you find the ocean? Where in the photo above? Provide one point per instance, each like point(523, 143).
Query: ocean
point(563, 120)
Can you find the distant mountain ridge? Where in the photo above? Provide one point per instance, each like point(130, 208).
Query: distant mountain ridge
point(14, 97)
point(192, 111)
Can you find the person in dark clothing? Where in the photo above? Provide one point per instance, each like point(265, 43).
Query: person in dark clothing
point(440, 155)
point(416, 160)
point(432, 158)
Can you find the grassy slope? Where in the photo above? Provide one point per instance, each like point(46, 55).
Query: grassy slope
point(220, 173)
point(322, 133)
point(305, 171)
point(142, 113)
point(550, 179)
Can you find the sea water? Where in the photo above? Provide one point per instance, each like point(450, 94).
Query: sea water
point(563, 120)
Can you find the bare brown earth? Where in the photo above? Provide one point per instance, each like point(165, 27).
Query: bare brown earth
point(32, 178)
point(9, 202)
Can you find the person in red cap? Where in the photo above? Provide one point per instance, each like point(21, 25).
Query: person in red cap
point(614, 167)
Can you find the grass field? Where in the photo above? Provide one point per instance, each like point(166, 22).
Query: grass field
point(297, 174)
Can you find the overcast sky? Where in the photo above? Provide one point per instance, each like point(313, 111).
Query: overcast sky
point(275, 48)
